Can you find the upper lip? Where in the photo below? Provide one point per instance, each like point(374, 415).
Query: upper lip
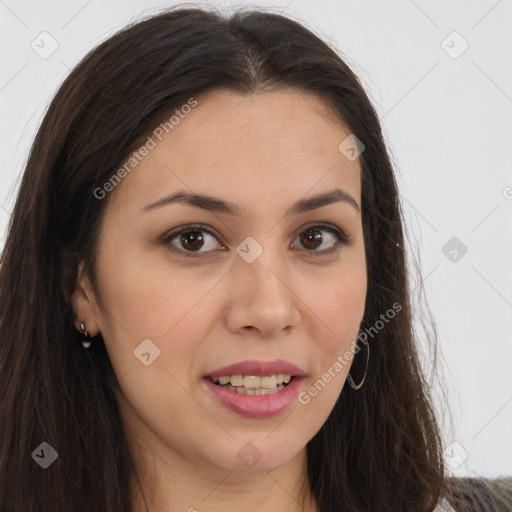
point(258, 368)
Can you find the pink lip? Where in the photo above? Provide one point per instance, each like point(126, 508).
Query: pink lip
point(256, 406)
point(258, 368)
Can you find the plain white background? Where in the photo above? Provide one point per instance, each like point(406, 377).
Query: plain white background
point(439, 76)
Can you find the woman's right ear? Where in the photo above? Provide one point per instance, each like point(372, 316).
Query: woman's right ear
point(84, 304)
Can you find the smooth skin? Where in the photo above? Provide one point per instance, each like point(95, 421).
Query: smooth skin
point(263, 152)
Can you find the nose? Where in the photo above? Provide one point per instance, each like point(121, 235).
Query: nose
point(262, 300)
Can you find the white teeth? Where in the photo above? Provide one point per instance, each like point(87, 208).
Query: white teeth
point(261, 391)
point(269, 382)
point(237, 380)
point(253, 382)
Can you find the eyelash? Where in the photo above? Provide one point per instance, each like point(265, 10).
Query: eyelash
point(341, 239)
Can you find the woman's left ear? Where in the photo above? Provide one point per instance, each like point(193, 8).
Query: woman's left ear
point(84, 304)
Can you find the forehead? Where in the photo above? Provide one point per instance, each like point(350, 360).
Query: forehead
point(285, 118)
point(265, 145)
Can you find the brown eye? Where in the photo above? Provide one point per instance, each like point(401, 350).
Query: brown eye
point(313, 237)
point(192, 241)
point(196, 240)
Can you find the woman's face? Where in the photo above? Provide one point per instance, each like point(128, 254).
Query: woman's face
point(268, 285)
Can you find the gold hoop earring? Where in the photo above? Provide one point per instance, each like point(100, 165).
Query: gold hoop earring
point(354, 377)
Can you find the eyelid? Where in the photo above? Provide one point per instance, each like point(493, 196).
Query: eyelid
point(342, 239)
point(327, 226)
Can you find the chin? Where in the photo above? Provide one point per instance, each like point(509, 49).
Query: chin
point(255, 454)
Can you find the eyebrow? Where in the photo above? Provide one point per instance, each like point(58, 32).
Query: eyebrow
point(216, 205)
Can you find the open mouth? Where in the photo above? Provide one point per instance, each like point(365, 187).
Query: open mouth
point(253, 384)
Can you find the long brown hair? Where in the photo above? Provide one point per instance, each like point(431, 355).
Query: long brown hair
point(380, 449)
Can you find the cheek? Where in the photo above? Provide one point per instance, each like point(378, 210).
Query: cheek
point(339, 305)
point(337, 312)
point(143, 302)
point(152, 310)
point(145, 295)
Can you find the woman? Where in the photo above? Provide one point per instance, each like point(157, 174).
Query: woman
point(205, 301)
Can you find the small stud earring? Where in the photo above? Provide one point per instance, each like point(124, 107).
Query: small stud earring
point(86, 343)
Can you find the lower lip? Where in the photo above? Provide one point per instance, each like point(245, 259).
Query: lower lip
point(256, 406)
